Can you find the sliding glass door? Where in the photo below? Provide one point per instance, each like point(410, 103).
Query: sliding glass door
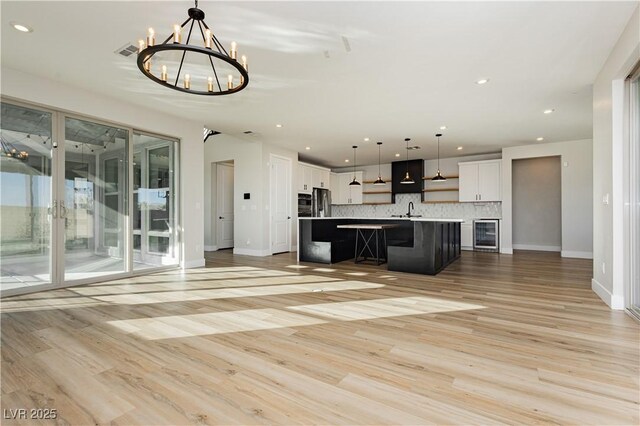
point(154, 201)
point(94, 204)
point(633, 198)
point(26, 199)
point(82, 200)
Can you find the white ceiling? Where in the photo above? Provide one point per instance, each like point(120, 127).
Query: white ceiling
point(411, 69)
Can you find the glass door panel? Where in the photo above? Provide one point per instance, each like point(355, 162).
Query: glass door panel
point(26, 207)
point(155, 202)
point(94, 202)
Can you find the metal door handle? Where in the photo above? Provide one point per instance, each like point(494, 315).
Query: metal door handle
point(63, 210)
point(220, 217)
point(53, 210)
point(288, 217)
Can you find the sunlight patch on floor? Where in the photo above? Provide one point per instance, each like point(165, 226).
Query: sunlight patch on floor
point(105, 290)
point(323, 270)
point(170, 327)
point(225, 293)
point(383, 308)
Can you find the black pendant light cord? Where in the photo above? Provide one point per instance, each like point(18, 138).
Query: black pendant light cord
point(379, 143)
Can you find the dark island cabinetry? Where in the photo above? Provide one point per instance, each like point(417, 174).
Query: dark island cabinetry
point(423, 246)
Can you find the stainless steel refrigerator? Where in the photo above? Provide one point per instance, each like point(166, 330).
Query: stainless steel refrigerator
point(321, 202)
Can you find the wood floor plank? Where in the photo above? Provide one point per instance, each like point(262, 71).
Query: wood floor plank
point(493, 339)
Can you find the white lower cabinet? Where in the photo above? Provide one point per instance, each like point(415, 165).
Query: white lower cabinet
point(466, 236)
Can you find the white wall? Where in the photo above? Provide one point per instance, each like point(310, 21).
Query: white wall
point(576, 188)
point(48, 93)
point(251, 174)
point(608, 147)
point(537, 204)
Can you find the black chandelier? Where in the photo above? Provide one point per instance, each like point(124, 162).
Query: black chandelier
point(211, 50)
point(9, 150)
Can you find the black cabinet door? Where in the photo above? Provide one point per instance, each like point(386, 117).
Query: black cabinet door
point(399, 171)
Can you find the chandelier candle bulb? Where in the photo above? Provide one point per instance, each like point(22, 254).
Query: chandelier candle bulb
point(187, 81)
point(210, 84)
point(147, 65)
point(151, 38)
point(141, 45)
point(244, 63)
point(207, 39)
point(230, 82)
point(177, 36)
point(234, 50)
point(163, 75)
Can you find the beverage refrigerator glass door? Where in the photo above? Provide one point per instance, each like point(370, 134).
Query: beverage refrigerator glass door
point(485, 234)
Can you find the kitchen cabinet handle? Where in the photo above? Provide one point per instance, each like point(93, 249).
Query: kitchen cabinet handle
point(53, 210)
point(220, 217)
point(480, 197)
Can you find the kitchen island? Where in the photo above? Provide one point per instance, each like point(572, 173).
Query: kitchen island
point(415, 244)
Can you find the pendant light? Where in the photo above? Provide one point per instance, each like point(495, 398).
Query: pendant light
point(379, 181)
point(354, 182)
point(438, 177)
point(407, 179)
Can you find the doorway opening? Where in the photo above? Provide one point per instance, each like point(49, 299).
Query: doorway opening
point(537, 204)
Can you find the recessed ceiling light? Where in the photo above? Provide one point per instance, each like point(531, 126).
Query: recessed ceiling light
point(366, 139)
point(21, 27)
point(346, 160)
point(397, 154)
point(482, 81)
point(307, 148)
point(278, 125)
point(548, 111)
point(540, 139)
point(459, 148)
point(443, 127)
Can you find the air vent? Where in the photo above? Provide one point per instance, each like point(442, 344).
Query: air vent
point(127, 50)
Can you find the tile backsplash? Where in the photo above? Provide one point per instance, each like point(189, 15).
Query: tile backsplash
point(464, 211)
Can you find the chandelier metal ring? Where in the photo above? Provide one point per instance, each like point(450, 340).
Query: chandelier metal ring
point(148, 53)
point(211, 48)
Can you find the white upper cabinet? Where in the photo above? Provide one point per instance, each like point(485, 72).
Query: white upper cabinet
point(343, 193)
point(310, 176)
point(480, 181)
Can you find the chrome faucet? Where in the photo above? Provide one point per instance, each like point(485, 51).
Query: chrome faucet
point(409, 208)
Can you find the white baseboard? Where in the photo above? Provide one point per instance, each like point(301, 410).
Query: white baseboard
point(251, 252)
point(614, 302)
point(197, 263)
point(506, 250)
point(210, 248)
point(536, 247)
point(294, 248)
point(466, 248)
point(577, 254)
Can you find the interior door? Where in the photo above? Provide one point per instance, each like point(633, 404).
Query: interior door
point(280, 204)
point(224, 206)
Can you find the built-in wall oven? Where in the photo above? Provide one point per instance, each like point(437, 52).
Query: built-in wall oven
point(486, 236)
point(304, 205)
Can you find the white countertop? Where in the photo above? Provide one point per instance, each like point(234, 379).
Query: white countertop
point(413, 219)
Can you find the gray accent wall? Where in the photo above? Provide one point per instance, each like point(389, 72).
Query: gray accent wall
point(537, 203)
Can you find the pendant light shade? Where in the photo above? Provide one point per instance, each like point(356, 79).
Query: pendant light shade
point(438, 177)
point(407, 178)
point(354, 182)
point(379, 181)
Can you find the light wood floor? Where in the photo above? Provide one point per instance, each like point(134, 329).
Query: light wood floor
point(494, 339)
